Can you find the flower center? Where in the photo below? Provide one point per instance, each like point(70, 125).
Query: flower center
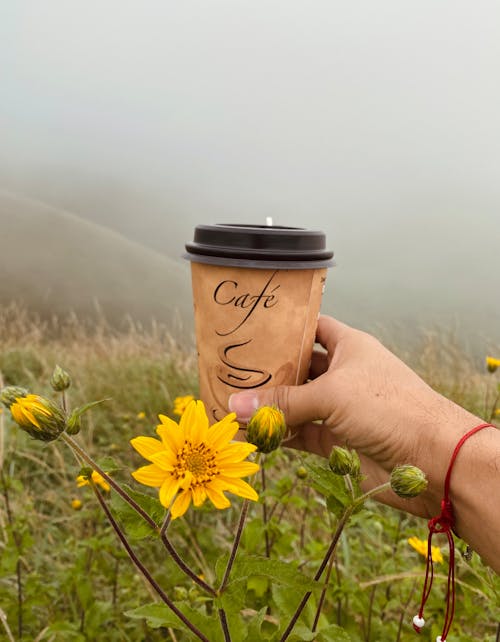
point(199, 461)
point(196, 463)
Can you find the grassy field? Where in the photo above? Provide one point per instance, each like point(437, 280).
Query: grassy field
point(64, 575)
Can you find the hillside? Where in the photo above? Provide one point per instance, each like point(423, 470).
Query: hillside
point(55, 262)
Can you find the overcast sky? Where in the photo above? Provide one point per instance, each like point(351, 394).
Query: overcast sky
point(377, 121)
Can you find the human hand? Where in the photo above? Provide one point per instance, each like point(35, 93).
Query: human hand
point(369, 400)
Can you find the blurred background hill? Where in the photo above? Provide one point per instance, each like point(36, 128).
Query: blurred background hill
point(377, 123)
point(56, 263)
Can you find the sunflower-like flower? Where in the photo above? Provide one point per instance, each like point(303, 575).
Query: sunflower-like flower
point(420, 545)
point(194, 461)
point(181, 403)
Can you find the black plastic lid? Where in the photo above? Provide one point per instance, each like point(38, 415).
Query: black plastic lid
point(260, 246)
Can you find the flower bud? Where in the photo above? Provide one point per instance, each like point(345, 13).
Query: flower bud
point(266, 428)
point(38, 416)
point(492, 364)
point(60, 379)
point(408, 481)
point(301, 472)
point(344, 461)
point(9, 394)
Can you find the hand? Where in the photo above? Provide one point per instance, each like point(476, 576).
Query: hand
point(369, 400)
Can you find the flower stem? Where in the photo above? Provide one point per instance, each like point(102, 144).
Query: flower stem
point(331, 549)
point(178, 559)
point(224, 626)
point(123, 494)
point(142, 569)
point(323, 593)
point(236, 543)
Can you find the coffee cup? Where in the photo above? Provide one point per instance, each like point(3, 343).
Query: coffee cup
point(257, 292)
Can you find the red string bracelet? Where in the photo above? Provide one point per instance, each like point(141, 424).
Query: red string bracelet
point(443, 523)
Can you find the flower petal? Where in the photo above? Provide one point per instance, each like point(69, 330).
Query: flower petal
point(241, 469)
point(194, 422)
point(234, 453)
point(223, 431)
point(181, 504)
point(199, 495)
point(165, 459)
point(235, 486)
point(150, 475)
point(218, 499)
point(146, 446)
point(168, 490)
point(170, 433)
point(238, 487)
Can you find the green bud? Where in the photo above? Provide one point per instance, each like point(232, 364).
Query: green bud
point(408, 481)
point(9, 394)
point(344, 461)
point(60, 379)
point(74, 423)
point(301, 472)
point(266, 428)
point(39, 417)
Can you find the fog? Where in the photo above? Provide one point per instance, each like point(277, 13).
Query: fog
point(377, 122)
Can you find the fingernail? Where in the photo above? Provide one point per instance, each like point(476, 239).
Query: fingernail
point(244, 404)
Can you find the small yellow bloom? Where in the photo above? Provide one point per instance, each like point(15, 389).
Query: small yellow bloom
point(492, 364)
point(141, 415)
point(266, 428)
point(420, 545)
point(98, 479)
point(195, 461)
point(181, 403)
point(76, 504)
point(497, 412)
point(38, 416)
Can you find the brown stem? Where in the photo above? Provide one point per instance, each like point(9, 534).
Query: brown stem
point(331, 549)
point(224, 626)
point(323, 593)
point(142, 569)
point(264, 512)
point(236, 543)
point(178, 559)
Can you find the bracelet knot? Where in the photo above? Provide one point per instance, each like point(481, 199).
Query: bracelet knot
point(445, 521)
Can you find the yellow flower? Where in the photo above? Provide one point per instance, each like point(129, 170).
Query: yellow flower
point(76, 504)
point(492, 364)
point(420, 545)
point(266, 428)
point(497, 412)
point(97, 478)
point(194, 461)
point(38, 416)
point(141, 415)
point(181, 403)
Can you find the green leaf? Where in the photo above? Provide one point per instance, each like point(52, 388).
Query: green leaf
point(285, 573)
point(73, 421)
point(133, 523)
point(160, 615)
point(255, 625)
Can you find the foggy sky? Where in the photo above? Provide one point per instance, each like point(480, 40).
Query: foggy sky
point(375, 121)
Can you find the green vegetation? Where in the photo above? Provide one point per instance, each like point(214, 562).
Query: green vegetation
point(64, 575)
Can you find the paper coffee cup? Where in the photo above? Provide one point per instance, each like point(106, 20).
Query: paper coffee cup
point(257, 293)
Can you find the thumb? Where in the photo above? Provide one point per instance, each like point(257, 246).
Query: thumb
point(299, 404)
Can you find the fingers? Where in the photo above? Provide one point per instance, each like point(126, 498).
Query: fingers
point(330, 332)
point(319, 364)
point(300, 404)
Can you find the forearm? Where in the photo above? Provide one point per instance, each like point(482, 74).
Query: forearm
point(475, 480)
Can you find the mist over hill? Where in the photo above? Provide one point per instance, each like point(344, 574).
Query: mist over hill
point(55, 263)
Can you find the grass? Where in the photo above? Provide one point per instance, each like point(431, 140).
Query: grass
point(63, 575)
